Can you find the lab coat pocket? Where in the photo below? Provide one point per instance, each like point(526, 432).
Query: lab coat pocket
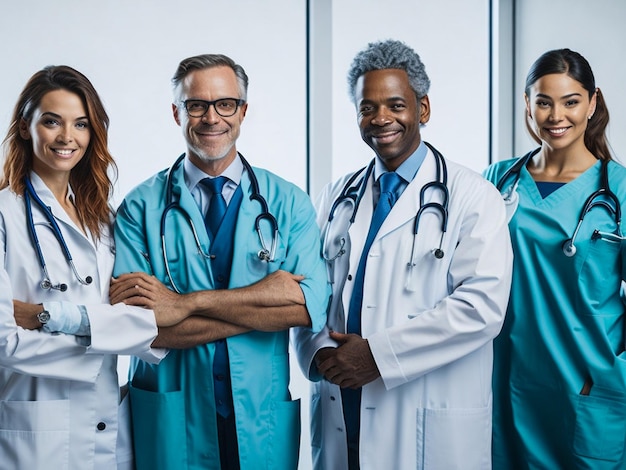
point(35, 434)
point(284, 435)
point(159, 431)
point(455, 438)
point(600, 430)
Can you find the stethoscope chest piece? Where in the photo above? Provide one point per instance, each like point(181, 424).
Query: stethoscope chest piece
point(47, 285)
point(569, 249)
point(264, 255)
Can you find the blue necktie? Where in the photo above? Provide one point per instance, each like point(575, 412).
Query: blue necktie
point(217, 206)
point(221, 372)
point(389, 185)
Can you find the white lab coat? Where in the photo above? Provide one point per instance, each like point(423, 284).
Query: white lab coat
point(54, 391)
point(431, 336)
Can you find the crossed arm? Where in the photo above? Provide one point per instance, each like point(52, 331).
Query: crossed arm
point(274, 303)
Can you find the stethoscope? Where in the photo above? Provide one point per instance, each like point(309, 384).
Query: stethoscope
point(353, 191)
point(264, 253)
point(602, 197)
point(46, 283)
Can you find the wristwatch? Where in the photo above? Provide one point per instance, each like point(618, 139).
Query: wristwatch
point(43, 317)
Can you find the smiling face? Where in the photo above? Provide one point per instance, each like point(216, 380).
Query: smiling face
point(210, 138)
point(558, 108)
point(60, 134)
point(389, 115)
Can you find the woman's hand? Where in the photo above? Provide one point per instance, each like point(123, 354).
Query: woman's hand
point(26, 314)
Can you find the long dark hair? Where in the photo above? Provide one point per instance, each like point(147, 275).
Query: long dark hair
point(575, 66)
point(89, 179)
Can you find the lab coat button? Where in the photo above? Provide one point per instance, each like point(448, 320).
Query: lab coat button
point(332, 398)
point(101, 426)
point(349, 277)
point(340, 429)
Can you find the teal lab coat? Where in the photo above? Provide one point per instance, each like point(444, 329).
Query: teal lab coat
point(560, 371)
point(172, 403)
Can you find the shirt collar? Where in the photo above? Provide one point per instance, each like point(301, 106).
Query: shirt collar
point(193, 174)
point(408, 169)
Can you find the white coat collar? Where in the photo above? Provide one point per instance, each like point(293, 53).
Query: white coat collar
point(404, 209)
point(47, 197)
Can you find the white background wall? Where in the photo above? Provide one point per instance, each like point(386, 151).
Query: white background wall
point(452, 39)
point(130, 49)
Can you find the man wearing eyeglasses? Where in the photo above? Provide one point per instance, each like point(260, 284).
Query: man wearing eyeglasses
point(242, 265)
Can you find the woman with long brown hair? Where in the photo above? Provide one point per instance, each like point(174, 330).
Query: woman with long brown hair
point(60, 402)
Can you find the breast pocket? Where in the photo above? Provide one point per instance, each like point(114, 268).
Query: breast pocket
point(258, 264)
point(35, 434)
point(600, 270)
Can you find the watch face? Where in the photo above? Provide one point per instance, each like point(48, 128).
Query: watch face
point(43, 317)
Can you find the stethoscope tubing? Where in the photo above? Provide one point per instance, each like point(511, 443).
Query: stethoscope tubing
point(31, 195)
point(568, 247)
point(56, 230)
point(264, 253)
point(354, 193)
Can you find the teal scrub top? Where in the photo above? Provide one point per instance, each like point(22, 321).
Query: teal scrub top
point(559, 371)
point(172, 403)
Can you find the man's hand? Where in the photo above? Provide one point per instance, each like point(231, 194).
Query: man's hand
point(351, 365)
point(277, 289)
point(274, 303)
point(26, 314)
point(322, 355)
point(142, 290)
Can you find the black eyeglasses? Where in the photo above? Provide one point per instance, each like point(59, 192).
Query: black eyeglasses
point(225, 107)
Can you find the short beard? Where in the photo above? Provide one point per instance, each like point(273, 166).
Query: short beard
point(211, 158)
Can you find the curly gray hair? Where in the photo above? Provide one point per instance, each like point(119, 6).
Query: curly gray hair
point(389, 54)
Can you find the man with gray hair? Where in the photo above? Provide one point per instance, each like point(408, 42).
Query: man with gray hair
point(238, 249)
point(419, 259)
